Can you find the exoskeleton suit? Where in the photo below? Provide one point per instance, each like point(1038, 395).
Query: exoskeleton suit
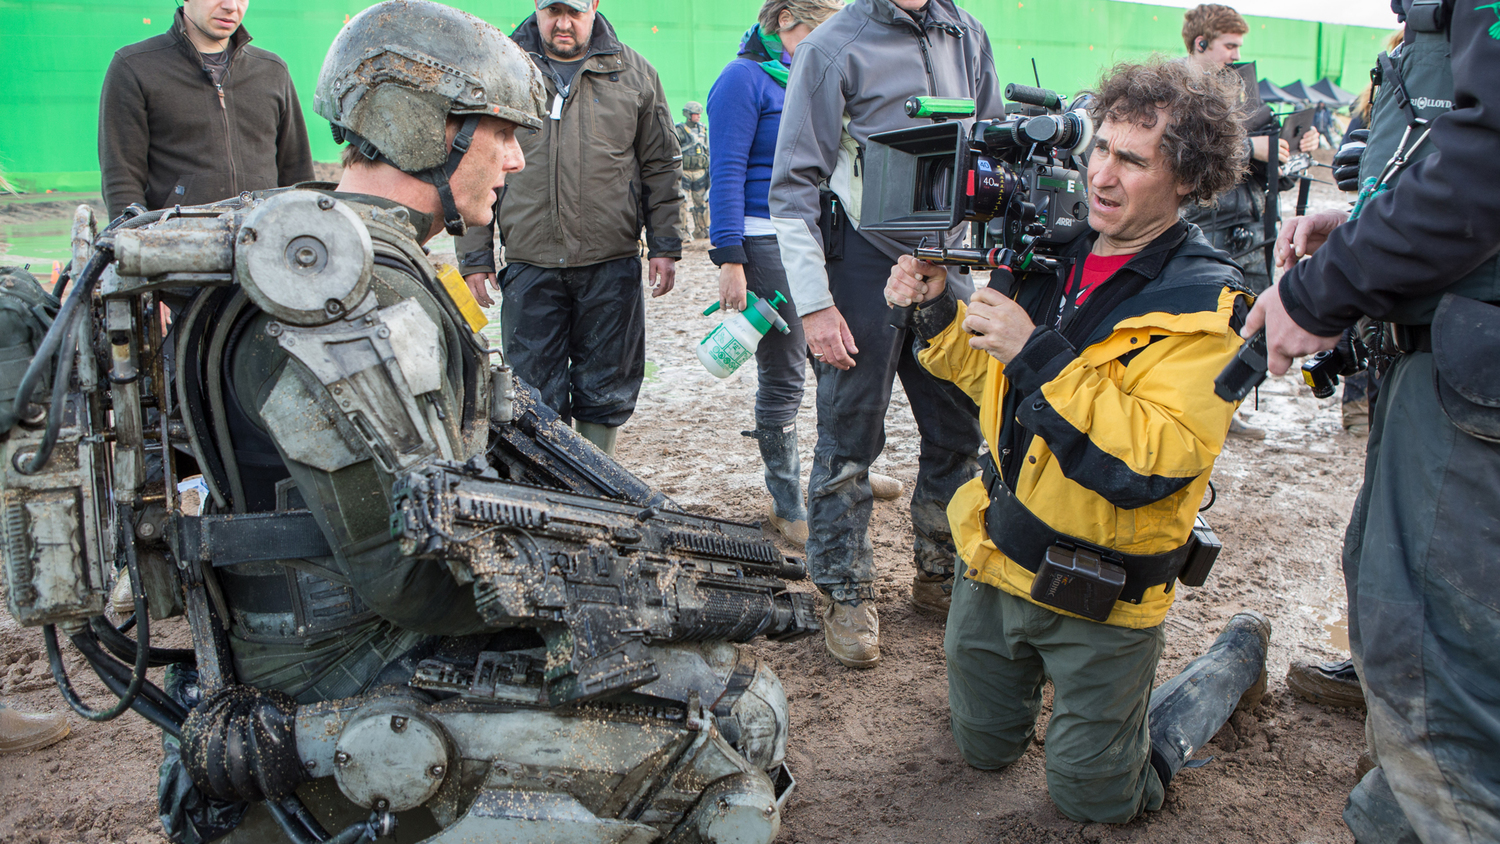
point(421, 606)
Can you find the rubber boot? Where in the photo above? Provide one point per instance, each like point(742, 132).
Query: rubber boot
point(778, 451)
point(1188, 709)
point(22, 731)
point(602, 436)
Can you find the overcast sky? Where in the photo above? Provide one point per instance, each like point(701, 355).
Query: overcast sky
point(1361, 12)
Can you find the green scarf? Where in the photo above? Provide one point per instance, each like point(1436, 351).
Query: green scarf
point(766, 50)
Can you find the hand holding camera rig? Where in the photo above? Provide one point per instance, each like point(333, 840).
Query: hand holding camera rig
point(1020, 176)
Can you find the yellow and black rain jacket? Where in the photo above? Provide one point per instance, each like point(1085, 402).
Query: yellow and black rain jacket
point(1106, 427)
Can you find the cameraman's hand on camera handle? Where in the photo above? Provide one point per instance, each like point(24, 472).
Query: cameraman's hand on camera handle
point(913, 282)
point(999, 325)
point(1285, 339)
point(1302, 236)
point(828, 338)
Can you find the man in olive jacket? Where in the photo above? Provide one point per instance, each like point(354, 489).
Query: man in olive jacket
point(605, 164)
point(196, 115)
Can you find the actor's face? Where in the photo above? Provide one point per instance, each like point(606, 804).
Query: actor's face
point(480, 175)
point(694, 118)
point(1133, 193)
point(911, 5)
point(1222, 51)
point(215, 19)
point(566, 31)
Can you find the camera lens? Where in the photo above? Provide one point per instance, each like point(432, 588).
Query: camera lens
point(935, 184)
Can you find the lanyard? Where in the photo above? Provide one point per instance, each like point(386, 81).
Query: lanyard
point(1376, 185)
point(562, 89)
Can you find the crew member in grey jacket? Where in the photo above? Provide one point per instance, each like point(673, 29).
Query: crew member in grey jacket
point(851, 79)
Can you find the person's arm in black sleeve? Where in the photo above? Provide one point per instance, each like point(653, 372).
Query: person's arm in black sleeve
point(124, 138)
point(1440, 222)
point(294, 162)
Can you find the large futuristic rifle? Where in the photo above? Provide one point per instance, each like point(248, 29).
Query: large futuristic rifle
point(600, 579)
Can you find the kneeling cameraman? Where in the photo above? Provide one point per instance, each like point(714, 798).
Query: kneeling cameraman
point(1096, 399)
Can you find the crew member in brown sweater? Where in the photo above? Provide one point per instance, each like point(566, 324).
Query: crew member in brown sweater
point(196, 115)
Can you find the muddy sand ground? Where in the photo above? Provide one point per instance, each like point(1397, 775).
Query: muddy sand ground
point(871, 749)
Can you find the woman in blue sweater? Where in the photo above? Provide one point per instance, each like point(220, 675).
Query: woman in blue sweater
point(744, 113)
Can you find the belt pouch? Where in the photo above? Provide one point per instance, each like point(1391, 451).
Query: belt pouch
point(1465, 347)
point(1201, 556)
point(1078, 580)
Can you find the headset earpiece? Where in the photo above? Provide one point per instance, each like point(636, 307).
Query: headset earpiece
point(1202, 45)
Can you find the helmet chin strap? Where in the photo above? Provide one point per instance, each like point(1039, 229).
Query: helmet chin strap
point(437, 176)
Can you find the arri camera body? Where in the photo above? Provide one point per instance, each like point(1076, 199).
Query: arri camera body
point(1019, 178)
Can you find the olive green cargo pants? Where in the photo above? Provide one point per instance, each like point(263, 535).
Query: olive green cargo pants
point(1001, 648)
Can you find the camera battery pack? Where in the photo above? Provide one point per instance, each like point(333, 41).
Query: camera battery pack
point(1078, 580)
point(1201, 557)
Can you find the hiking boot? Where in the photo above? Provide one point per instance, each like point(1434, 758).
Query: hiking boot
point(1328, 683)
point(1356, 417)
point(932, 593)
point(885, 487)
point(21, 731)
point(793, 530)
point(851, 632)
point(1240, 428)
point(121, 597)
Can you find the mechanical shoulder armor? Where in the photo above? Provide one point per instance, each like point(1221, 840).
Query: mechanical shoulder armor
point(617, 713)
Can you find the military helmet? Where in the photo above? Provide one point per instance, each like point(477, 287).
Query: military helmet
point(693, 107)
point(399, 68)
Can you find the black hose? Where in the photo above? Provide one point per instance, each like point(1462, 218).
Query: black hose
point(298, 825)
point(152, 703)
point(305, 820)
point(62, 284)
point(138, 675)
point(56, 410)
point(116, 642)
point(61, 330)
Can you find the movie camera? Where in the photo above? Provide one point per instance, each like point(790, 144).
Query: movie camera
point(1018, 179)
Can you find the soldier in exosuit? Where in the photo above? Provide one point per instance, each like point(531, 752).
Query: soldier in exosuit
point(692, 137)
point(448, 617)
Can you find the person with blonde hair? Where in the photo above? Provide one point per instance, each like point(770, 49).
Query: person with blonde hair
point(744, 112)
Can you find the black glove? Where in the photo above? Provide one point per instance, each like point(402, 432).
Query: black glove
point(241, 744)
point(1346, 160)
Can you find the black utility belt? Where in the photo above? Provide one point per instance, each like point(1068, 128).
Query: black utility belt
point(1407, 339)
point(1081, 577)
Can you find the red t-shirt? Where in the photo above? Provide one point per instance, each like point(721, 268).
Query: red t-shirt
point(1094, 270)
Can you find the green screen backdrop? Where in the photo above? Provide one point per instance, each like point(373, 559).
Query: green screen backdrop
point(56, 52)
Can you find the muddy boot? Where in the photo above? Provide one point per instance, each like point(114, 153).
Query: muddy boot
point(932, 592)
point(1188, 709)
point(1238, 427)
point(1328, 683)
point(602, 436)
point(851, 632)
point(885, 487)
point(20, 731)
point(778, 451)
point(1356, 417)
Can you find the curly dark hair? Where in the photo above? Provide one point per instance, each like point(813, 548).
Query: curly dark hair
point(1204, 141)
